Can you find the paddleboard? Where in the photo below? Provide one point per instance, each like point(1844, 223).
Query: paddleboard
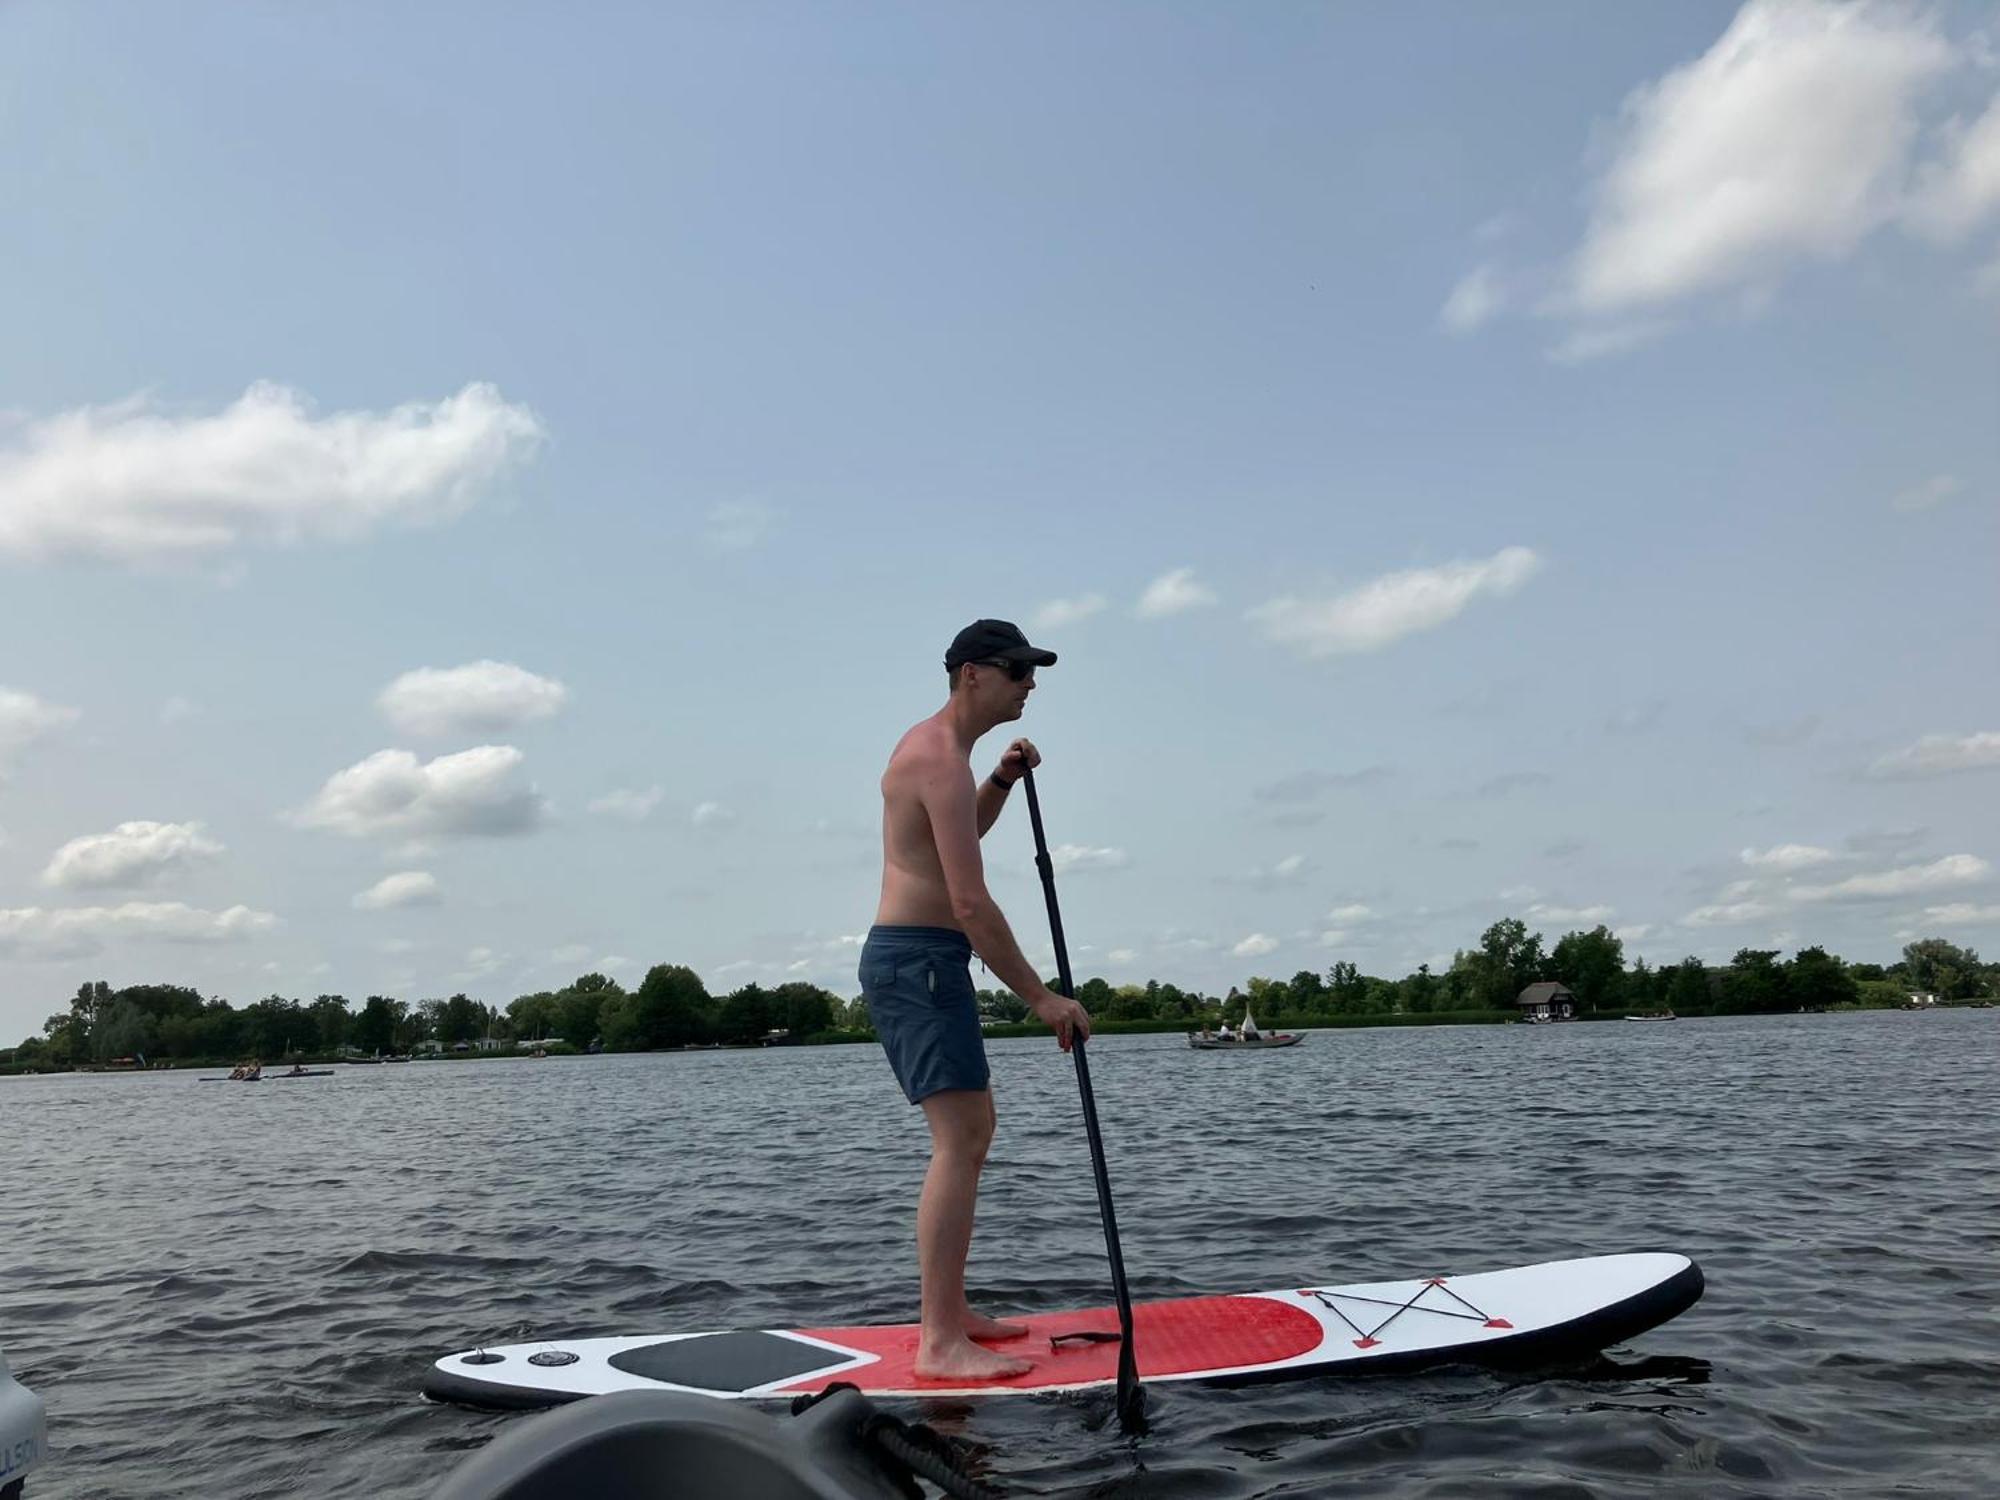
point(1524, 1315)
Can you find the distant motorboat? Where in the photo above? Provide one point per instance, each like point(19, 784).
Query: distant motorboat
point(1244, 1044)
point(1664, 1015)
point(1244, 1038)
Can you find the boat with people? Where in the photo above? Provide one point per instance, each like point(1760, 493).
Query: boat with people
point(1658, 1015)
point(1247, 1037)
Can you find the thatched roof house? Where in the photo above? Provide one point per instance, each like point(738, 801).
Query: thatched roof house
point(1547, 1001)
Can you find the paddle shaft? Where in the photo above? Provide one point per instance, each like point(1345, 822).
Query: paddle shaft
point(1131, 1395)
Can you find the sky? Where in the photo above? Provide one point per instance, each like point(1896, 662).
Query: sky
point(483, 489)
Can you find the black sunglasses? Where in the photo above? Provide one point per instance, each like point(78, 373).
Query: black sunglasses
point(1017, 671)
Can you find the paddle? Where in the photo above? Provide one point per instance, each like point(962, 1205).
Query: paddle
point(1131, 1395)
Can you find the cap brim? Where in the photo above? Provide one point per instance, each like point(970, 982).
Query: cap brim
point(1034, 654)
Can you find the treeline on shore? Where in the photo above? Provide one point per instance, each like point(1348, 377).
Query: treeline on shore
point(672, 1007)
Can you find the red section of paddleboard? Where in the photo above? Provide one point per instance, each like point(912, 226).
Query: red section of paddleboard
point(1174, 1338)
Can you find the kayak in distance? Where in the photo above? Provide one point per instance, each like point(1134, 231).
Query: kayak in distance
point(1526, 1315)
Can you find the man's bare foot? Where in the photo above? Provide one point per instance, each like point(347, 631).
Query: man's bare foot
point(965, 1360)
point(979, 1326)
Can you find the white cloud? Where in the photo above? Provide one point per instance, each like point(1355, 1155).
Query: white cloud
point(1383, 611)
point(739, 525)
point(1081, 857)
point(481, 963)
point(1255, 946)
point(1963, 914)
point(711, 815)
point(1931, 493)
point(1788, 138)
point(1941, 755)
point(1474, 301)
point(1636, 932)
point(130, 855)
point(1541, 913)
point(177, 708)
point(1729, 914)
point(1582, 345)
point(1291, 870)
point(1122, 956)
point(1171, 593)
point(1350, 914)
point(482, 697)
point(1955, 192)
point(1953, 869)
point(1636, 718)
point(628, 803)
point(133, 483)
point(81, 931)
point(1787, 857)
point(1057, 613)
point(24, 719)
point(1335, 937)
point(1306, 786)
point(475, 792)
point(404, 888)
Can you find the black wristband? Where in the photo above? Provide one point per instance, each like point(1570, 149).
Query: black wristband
point(1000, 781)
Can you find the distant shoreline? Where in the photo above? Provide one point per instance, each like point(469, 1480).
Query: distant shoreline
point(1002, 1031)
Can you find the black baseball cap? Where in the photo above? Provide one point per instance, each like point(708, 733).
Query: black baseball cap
point(994, 640)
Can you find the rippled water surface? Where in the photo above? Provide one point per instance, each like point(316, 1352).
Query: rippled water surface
point(226, 1291)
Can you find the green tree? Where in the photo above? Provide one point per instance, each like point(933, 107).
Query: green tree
point(1592, 964)
point(533, 1017)
point(374, 1030)
point(1816, 979)
point(745, 1015)
point(1347, 991)
point(122, 1030)
point(671, 1008)
point(994, 1005)
point(1640, 989)
point(1306, 994)
point(1754, 983)
point(274, 1026)
point(330, 1021)
point(1096, 996)
point(459, 1019)
point(805, 1010)
point(1937, 967)
point(579, 1005)
point(1512, 960)
point(1420, 991)
point(1687, 988)
point(618, 1022)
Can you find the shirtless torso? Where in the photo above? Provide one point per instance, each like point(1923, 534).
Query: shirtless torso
point(914, 892)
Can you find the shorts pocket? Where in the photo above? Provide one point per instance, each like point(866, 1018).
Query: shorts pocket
point(877, 973)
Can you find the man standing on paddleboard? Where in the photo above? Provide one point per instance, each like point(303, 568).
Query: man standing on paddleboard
point(916, 972)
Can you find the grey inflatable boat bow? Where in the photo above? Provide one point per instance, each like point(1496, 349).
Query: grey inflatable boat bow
point(668, 1445)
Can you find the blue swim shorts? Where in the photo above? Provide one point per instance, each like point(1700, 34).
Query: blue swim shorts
point(918, 985)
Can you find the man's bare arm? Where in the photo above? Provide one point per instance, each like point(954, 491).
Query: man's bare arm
point(949, 799)
point(991, 799)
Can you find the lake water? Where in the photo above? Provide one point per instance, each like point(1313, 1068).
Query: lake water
point(234, 1292)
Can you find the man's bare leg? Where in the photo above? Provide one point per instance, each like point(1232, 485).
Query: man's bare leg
point(961, 1122)
point(978, 1325)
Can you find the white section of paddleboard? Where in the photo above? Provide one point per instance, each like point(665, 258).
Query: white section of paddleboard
point(1548, 1311)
